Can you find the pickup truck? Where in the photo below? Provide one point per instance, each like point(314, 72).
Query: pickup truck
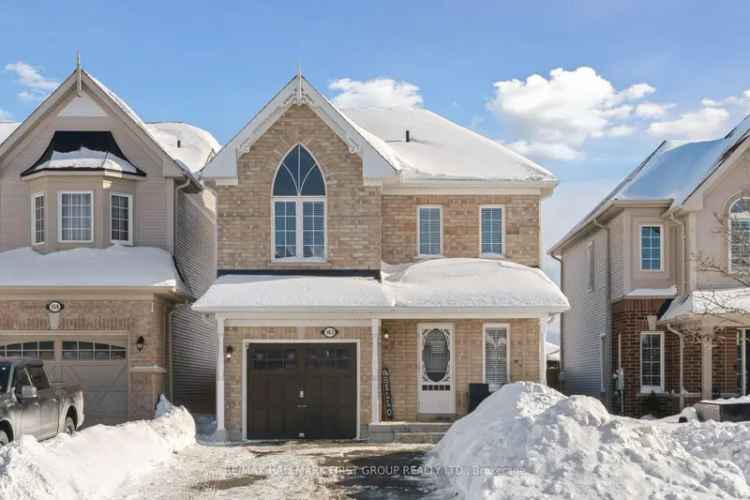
point(29, 404)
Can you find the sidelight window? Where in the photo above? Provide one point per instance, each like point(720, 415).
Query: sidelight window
point(496, 348)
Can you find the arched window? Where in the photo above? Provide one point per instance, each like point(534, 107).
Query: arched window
point(299, 207)
point(739, 234)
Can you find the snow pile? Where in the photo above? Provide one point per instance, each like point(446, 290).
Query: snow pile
point(529, 441)
point(94, 463)
point(120, 266)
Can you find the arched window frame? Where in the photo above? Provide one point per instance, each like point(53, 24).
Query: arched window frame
point(735, 219)
point(301, 203)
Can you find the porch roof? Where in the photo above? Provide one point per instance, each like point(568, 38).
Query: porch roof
point(728, 304)
point(461, 286)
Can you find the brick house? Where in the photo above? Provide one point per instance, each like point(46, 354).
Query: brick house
point(372, 264)
point(652, 274)
point(106, 236)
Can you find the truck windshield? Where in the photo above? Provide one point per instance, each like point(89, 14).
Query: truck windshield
point(4, 376)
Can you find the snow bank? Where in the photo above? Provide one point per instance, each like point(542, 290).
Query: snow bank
point(95, 462)
point(529, 441)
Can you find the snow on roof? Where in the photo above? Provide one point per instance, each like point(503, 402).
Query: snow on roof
point(440, 283)
point(439, 148)
point(196, 146)
point(7, 128)
point(479, 283)
point(672, 172)
point(116, 266)
point(86, 159)
point(552, 351)
point(715, 303)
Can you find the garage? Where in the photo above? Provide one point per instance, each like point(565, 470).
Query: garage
point(301, 391)
point(98, 365)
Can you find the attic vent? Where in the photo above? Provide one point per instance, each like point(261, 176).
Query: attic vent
point(179, 143)
point(408, 136)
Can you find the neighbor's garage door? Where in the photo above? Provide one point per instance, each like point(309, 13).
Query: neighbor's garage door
point(301, 391)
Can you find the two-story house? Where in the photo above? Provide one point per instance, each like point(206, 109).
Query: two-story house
point(106, 235)
point(655, 275)
point(372, 263)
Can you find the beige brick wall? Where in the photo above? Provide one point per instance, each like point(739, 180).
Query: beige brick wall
point(399, 355)
point(235, 336)
point(461, 225)
point(89, 317)
point(353, 210)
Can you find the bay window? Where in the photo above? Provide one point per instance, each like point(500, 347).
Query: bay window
point(38, 219)
point(121, 218)
point(76, 217)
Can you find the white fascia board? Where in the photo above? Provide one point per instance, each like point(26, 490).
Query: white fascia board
point(383, 313)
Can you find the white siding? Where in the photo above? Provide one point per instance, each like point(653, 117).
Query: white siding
point(587, 318)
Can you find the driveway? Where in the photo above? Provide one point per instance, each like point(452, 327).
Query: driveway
point(291, 470)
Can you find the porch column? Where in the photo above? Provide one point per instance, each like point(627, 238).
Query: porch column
point(375, 382)
point(220, 431)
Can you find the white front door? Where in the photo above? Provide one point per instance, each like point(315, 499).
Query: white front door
point(436, 387)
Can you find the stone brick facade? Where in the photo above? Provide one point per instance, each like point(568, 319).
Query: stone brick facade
point(629, 319)
point(399, 355)
point(28, 319)
point(461, 226)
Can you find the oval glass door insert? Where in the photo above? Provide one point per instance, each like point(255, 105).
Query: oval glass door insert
point(435, 356)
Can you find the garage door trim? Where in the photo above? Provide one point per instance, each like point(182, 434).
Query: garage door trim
point(246, 343)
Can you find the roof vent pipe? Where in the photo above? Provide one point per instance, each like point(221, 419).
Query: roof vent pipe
point(408, 136)
point(179, 143)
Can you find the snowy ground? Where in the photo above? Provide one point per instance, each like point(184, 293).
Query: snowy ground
point(288, 470)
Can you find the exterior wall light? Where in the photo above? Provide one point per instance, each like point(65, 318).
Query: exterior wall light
point(228, 353)
point(139, 343)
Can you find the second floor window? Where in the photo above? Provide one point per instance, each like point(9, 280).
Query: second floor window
point(121, 218)
point(430, 231)
point(739, 235)
point(299, 217)
point(491, 231)
point(76, 220)
point(38, 219)
point(651, 248)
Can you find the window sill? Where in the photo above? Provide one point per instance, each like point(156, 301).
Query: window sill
point(299, 261)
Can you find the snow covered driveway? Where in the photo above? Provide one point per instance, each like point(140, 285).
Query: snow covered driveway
point(287, 470)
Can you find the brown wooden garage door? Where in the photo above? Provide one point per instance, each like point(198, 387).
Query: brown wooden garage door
point(301, 391)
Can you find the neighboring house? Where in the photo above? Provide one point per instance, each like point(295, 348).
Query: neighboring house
point(106, 235)
point(643, 271)
point(361, 244)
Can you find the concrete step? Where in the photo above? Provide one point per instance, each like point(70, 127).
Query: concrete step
point(417, 437)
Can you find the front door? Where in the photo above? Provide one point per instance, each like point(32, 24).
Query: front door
point(436, 387)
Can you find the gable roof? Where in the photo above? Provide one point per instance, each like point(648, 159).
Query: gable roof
point(440, 150)
point(11, 132)
point(671, 174)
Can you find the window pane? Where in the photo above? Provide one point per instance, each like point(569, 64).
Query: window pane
point(120, 218)
point(299, 175)
point(740, 241)
point(651, 248)
point(39, 219)
point(285, 231)
point(429, 231)
point(313, 229)
point(495, 357)
point(76, 216)
point(491, 230)
point(651, 360)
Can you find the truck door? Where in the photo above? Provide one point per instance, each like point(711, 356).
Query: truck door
point(49, 402)
point(31, 416)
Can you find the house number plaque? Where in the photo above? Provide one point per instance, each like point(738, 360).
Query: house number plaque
point(329, 332)
point(387, 399)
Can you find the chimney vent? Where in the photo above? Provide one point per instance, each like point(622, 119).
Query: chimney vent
point(179, 143)
point(408, 136)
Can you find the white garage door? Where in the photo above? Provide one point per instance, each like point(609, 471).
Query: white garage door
point(99, 366)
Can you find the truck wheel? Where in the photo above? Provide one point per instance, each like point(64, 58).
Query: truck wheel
point(70, 426)
point(4, 439)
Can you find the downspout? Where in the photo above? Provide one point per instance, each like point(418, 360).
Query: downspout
point(682, 352)
point(608, 305)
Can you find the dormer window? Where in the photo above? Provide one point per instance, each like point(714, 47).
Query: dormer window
point(76, 217)
point(739, 235)
point(299, 208)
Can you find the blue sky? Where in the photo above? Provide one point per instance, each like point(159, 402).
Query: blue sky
point(648, 66)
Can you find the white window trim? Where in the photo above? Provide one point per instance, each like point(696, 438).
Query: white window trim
point(129, 196)
point(59, 217)
point(648, 389)
point(492, 326)
point(590, 267)
point(661, 248)
point(33, 218)
point(299, 229)
point(442, 232)
point(502, 233)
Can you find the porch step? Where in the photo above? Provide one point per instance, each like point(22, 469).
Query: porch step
point(418, 437)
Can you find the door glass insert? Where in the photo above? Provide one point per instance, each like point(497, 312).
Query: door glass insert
point(335, 358)
point(91, 351)
point(436, 356)
point(278, 359)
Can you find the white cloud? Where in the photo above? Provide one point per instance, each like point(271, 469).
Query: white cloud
point(620, 131)
point(36, 85)
point(742, 101)
point(553, 117)
point(652, 109)
point(379, 92)
point(4, 115)
point(706, 123)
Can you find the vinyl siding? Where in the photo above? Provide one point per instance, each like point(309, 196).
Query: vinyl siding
point(587, 318)
point(617, 253)
point(193, 360)
point(195, 243)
